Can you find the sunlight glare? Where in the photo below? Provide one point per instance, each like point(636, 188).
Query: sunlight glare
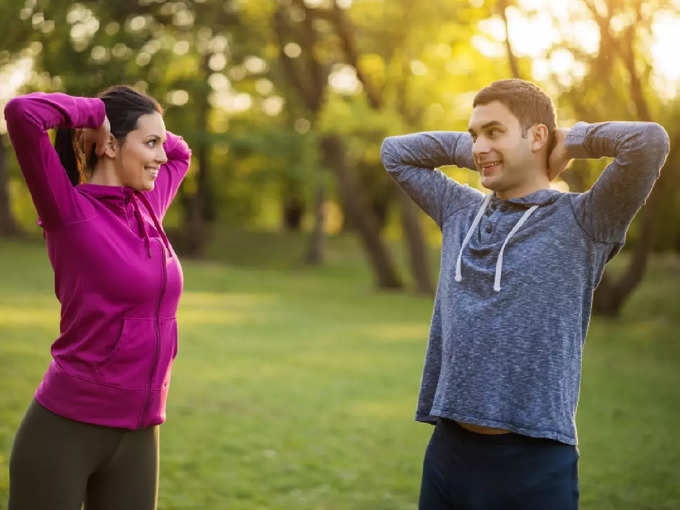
point(666, 30)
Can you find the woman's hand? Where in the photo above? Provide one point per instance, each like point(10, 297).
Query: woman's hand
point(89, 138)
point(559, 160)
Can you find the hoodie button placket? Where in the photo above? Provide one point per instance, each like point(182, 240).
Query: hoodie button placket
point(486, 227)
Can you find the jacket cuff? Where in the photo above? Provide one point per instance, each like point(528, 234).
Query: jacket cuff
point(90, 114)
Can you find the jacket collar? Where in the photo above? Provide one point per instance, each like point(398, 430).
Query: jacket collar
point(119, 197)
point(103, 192)
point(540, 197)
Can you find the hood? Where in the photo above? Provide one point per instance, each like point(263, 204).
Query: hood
point(118, 197)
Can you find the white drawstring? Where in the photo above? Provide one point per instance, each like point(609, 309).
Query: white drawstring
point(499, 262)
point(473, 227)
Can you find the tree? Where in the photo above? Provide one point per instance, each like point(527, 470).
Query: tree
point(16, 39)
point(309, 78)
point(620, 55)
point(413, 234)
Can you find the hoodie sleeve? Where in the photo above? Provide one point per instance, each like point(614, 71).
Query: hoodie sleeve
point(639, 150)
point(172, 173)
point(28, 119)
point(412, 159)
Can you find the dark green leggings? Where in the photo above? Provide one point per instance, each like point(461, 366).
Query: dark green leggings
point(59, 464)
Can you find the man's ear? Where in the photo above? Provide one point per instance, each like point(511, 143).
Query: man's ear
point(539, 137)
point(111, 147)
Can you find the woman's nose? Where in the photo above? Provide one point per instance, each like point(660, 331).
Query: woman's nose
point(162, 157)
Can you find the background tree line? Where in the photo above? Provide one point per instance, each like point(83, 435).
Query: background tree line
point(285, 104)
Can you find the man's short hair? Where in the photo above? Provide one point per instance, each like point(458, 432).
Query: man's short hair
point(525, 100)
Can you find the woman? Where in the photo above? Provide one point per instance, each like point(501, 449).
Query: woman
point(91, 433)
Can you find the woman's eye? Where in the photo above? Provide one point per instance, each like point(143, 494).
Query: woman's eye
point(151, 143)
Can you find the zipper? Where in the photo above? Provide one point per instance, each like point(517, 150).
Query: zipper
point(158, 334)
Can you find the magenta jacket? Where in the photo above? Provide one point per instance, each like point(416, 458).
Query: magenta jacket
point(116, 276)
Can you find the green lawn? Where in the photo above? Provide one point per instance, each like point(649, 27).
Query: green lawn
point(295, 388)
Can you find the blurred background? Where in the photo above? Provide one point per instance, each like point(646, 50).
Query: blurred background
point(291, 231)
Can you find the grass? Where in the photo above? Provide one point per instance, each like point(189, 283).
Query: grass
point(295, 387)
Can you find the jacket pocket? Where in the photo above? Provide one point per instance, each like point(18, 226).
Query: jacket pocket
point(130, 362)
point(166, 354)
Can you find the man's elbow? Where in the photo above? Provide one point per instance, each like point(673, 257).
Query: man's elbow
point(387, 151)
point(658, 140)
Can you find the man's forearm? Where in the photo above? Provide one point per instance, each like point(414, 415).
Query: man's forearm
point(411, 160)
point(640, 143)
point(428, 150)
point(639, 150)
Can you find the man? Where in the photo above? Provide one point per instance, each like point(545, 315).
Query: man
point(518, 271)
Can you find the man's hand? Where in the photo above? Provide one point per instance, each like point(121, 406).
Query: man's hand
point(558, 160)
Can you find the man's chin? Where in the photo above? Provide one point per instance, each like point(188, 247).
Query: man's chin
point(491, 183)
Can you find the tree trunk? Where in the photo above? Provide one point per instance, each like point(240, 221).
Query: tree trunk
point(611, 295)
point(200, 207)
point(315, 250)
point(409, 214)
point(512, 59)
point(293, 210)
point(309, 77)
point(367, 226)
point(413, 235)
point(8, 227)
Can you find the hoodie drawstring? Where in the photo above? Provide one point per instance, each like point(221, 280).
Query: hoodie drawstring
point(137, 195)
point(499, 261)
point(473, 227)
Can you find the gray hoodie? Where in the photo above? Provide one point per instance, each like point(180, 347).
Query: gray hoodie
point(517, 276)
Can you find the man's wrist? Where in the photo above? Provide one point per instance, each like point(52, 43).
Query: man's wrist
point(575, 141)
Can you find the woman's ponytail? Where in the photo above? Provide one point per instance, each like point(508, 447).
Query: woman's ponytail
point(124, 105)
point(63, 143)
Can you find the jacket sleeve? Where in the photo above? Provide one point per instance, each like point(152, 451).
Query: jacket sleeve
point(171, 174)
point(28, 119)
point(412, 161)
point(639, 150)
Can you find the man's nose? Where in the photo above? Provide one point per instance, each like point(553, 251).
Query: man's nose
point(480, 146)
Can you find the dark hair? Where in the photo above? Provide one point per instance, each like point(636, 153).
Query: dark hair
point(124, 105)
point(525, 100)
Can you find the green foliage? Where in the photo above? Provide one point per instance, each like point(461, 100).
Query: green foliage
point(217, 68)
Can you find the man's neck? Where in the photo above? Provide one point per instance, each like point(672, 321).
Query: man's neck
point(539, 182)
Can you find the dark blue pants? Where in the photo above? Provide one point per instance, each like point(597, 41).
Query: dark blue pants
point(464, 470)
